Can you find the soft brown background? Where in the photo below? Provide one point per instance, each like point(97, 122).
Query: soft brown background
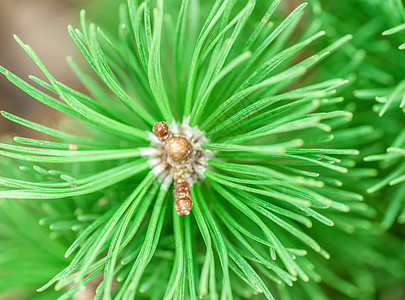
point(42, 24)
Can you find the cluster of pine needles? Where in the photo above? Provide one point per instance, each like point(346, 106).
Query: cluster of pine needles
point(303, 198)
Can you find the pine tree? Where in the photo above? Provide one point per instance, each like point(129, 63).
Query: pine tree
point(277, 120)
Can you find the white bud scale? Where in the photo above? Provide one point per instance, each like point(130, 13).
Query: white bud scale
point(176, 154)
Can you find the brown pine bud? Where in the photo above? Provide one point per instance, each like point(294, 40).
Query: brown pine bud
point(178, 148)
point(182, 188)
point(183, 205)
point(161, 131)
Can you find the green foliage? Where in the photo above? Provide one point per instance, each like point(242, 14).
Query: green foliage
point(282, 201)
point(378, 73)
